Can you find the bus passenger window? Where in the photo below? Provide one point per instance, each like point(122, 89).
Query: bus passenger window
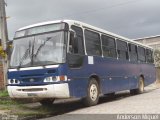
point(133, 52)
point(93, 44)
point(149, 56)
point(109, 47)
point(122, 50)
point(141, 54)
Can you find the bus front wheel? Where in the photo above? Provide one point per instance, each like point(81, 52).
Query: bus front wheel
point(140, 88)
point(92, 93)
point(47, 102)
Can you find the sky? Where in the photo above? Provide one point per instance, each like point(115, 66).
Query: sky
point(129, 18)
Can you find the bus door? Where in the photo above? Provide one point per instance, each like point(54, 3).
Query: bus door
point(75, 58)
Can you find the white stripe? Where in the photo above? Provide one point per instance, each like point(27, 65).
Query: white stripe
point(34, 68)
point(10, 70)
point(31, 68)
point(51, 66)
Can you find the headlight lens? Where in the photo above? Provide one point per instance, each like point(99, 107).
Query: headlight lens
point(13, 81)
point(55, 79)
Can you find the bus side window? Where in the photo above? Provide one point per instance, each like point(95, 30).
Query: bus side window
point(122, 50)
point(76, 42)
point(93, 43)
point(133, 52)
point(149, 56)
point(141, 54)
point(109, 46)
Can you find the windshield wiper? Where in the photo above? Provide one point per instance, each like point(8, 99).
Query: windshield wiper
point(40, 47)
point(25, 55)
point(32, 54)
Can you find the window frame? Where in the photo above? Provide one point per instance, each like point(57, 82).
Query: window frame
point(138, 50)
point(114, 47)
point(99, 39)
point(151, 56)
point(127, 54)
point(133, 52)
point(82, 37)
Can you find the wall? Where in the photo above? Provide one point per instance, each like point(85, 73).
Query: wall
point(153, 42)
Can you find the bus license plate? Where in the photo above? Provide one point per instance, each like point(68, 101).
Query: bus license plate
point(32, 94)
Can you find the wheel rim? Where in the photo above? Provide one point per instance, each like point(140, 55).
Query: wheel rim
point(141, 86)
point(93, 92)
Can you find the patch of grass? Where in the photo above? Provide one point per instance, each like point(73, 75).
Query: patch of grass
point(23, 110)
point(4, 93)
point(7, 102)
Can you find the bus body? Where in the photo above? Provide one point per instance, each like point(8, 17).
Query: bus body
point(64, 59)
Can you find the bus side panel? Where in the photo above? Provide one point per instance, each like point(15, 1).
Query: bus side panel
point(112, 76)
point(110, 72)
point(78, 80)
point(115, 75)
point(133, 75)
point(149, 72)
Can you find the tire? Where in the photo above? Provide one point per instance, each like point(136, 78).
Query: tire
point(140, 88)
point(92, 93)
point(47, 102)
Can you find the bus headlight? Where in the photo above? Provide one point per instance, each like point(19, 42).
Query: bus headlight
point(13, 81)
point(55, 79)
point(50, 79)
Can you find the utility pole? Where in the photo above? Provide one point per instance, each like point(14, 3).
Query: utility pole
point(3, 37)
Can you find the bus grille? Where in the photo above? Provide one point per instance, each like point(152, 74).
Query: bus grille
point(32, 89)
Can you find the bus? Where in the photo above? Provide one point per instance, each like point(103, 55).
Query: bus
point(72, 59)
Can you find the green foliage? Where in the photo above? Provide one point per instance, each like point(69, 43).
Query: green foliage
point(157, 57)
point(2, 52)
point(4, 93)
point(7, 102)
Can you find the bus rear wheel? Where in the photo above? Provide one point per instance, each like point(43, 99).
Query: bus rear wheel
point(140, 88)
point(92, 93)
point(47, 102)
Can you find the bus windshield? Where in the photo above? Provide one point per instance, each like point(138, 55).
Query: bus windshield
point(44, 49)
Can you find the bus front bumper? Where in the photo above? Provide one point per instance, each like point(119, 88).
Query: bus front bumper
point(45, 91)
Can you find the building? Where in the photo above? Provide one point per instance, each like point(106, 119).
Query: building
point(152, 41)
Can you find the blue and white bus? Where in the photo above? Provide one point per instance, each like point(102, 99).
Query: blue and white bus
point(71, 59)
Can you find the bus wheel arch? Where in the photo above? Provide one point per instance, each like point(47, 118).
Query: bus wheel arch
point(93, 91)
point(96, 77)
point(142, 76)
point(140, 86)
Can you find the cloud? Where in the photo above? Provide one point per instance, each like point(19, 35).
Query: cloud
point(130, 18)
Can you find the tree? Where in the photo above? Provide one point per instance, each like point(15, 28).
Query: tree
point(157, 57)
point(2, 52)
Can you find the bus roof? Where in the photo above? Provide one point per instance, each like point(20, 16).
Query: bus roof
point(81, 24)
